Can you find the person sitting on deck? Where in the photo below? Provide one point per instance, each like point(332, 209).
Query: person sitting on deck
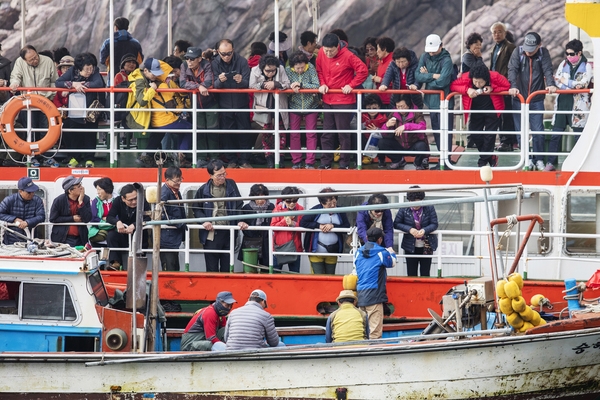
point(206, 329)
point(251, 327)
point(71, 206)
point(347, 323)
point(371, 261)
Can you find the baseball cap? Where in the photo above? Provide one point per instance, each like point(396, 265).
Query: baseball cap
point(347, 294)
point(227, 297)
point(27, 185)
point(153, 65)
point(193, 52)
point(531, 42)
point(66, 61)
point(260, 294)
point(71, 181)
point(432, 43)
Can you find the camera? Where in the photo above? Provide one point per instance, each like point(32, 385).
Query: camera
point(480, 91)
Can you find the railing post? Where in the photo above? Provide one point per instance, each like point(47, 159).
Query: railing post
point(443, 134)
point(358, 132)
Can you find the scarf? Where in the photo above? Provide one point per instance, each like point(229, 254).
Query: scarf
point(376, 222)
point(259, 209)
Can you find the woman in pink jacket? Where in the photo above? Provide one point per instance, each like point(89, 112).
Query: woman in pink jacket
point(475, 88)
point(289, 203)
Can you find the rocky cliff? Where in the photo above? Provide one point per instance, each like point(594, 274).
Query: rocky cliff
point(83, 25)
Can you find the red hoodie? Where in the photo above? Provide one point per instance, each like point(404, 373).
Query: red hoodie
point(343, 69)
point(498, 83)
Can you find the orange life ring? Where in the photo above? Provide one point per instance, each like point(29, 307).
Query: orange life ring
point(9, 114)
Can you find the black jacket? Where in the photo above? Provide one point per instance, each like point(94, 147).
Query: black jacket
point(405, 221)
point(237, 65)
point(171, 238)
point(60, 212)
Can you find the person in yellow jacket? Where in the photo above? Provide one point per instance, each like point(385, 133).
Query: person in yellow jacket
point(149, 104)
point(348, 322)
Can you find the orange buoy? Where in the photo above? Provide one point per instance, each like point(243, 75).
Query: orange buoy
point(11, 110)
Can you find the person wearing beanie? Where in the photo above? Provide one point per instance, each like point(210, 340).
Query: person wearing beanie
point(129, 63)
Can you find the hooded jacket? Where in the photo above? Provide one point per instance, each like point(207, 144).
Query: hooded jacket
point(238, 65)
point(371, 261)
point(44, 75)
point(343, 69)
point(405, 221)
point(124, 44)
point(530, 74)
point(497, 82)
point(282, 82)
point(438, 64)
point(13, 207)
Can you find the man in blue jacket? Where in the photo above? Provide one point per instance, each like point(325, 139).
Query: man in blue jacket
point(23, 209)
point(172, 236)
point(124, 44)
point(371, 261)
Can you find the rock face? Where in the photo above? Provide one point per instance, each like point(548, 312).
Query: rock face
point(83, 25)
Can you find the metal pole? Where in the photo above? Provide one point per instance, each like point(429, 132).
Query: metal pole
point(276, 132)
point(155, 266)
point(170, 28)
point(23, 12)
point(315, 15)
point(293, 5)
point(111, 42)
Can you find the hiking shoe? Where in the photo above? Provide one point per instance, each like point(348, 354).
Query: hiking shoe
point(89, 164)
point(402, 162)
point(549, 167)
point(145, 161)
point(381, 165)
point(246, 166)
point(309, 166)
point(425, 163)
point(367, 160)
point(531, 166)
point(35, 162)
point(539, 165)
point(493, 161)
point(324, 166)
point(270, 162)
point(397, 165)
point(297, 165)
point(336, 156)
point(51, 162)
point(504, 147)
point(202, 163)
point(73, 163)
point(344, 166)
point(232, 164)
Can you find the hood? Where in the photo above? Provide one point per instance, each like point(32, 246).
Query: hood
point(122, 36)
point(442, 55)
point(371, 249)
point(138, 74)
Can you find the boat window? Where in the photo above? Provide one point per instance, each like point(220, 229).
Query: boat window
point(47, 302)
point(582, 219)
point(538, 203)
point(9, 297)
point(98, 288)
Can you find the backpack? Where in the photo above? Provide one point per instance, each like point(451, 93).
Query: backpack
point(121, 100)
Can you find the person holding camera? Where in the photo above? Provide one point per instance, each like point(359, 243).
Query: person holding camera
point(475, 88)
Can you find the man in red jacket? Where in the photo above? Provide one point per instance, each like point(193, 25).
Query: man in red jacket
point(206, 329)
point(338, 68)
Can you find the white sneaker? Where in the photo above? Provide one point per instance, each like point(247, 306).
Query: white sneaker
point(539, 165)
point(531, 166)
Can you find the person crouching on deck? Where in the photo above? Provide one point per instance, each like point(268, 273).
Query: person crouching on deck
point(348, 322)
point(206, 329)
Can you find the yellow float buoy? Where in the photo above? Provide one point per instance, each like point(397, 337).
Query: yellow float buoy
point(505, 305)
point(500, 288)
point(515, 320)
point(537, 299)
point(349, 281)
point(536, 319)
point(516, 277)
point(512, 290)
point(519, 304)
point(527, 315)
point(525, 327)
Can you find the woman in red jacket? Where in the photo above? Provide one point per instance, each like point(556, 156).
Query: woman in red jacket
point(475, 88)
point(280, 238)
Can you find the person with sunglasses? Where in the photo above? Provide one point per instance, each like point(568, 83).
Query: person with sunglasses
point(281, 238)
point(574, 72)
point(380, 218)
point(231, 71)
point(270, 74)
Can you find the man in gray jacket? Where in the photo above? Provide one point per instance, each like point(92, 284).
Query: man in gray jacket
point(530, 70)
point(250, 326)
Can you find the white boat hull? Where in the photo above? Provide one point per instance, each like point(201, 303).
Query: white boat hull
point(543, 366)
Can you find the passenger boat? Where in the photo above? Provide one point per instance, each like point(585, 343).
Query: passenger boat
point(43, 355)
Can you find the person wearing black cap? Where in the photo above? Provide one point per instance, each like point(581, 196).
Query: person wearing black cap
point(250, 326)
point(371, 261)
point(206, 329)
point(197, 74)
point(23, 209)
point(530, 70)
point(417, 223)
point(71, 206)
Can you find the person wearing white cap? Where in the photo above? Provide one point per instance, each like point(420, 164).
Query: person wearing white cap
point(348, 322)
point(71, 206)
point(250, 326)
point(530, 70)
point(435, 70)
point(206, 329)
point(23, 209)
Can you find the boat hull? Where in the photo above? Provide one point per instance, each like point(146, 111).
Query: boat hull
point(542, 366)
